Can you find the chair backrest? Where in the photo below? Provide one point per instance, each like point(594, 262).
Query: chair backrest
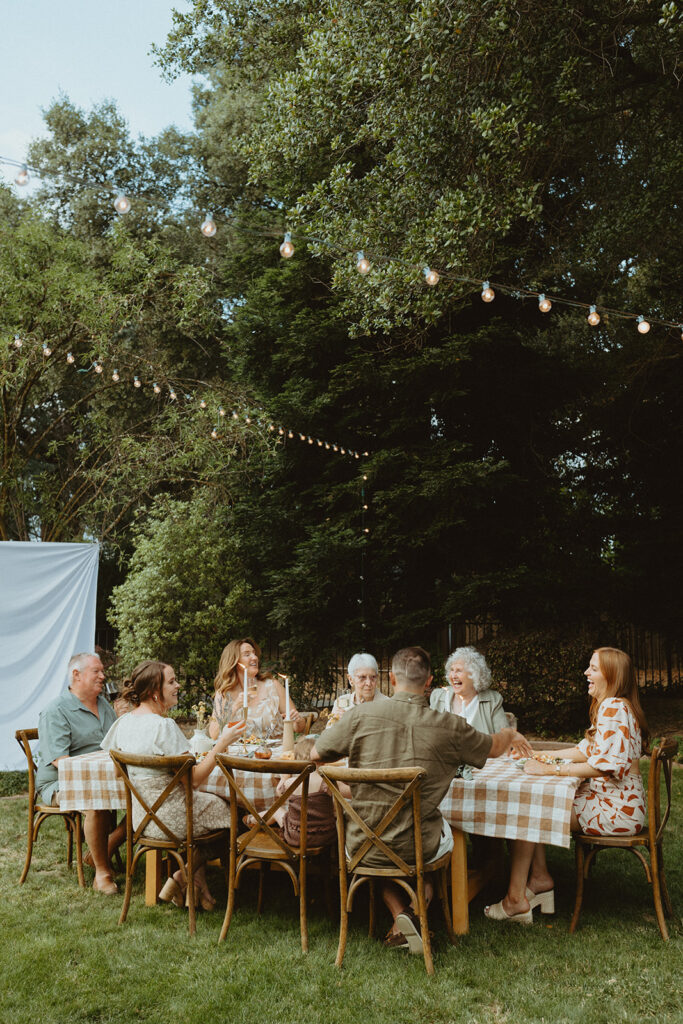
point(661, 760)
point(301, 772)
point(179, 768)
point(24, 737)
point(409, 779)
point(310, 717)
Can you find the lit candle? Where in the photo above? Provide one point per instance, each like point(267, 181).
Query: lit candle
point(287, 699)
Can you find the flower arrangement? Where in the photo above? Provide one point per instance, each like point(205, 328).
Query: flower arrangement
point(201, 711)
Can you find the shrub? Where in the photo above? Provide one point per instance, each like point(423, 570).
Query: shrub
point(540, 676)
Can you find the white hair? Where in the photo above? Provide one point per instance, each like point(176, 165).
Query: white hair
point(362, 661)
point(475, 666)
point(77, 663)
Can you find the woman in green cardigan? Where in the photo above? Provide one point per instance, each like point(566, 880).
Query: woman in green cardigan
point(469, 693)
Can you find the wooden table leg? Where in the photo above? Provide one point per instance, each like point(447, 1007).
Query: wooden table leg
point(152, 877)
point(460, 910)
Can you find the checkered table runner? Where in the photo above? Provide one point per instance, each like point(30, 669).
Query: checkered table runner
point(89, 783)
point(502, 801)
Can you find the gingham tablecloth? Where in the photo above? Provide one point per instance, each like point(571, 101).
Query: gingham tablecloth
point(89, 783)
point(502, 801)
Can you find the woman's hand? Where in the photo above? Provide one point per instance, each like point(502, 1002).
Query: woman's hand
point(533, 767)
point(230, 734)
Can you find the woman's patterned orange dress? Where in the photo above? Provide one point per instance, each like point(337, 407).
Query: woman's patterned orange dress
point(613, 804)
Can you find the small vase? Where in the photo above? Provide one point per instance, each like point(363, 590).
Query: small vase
point(200, 743)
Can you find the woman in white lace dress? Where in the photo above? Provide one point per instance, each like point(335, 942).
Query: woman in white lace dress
point(265, 697)
point(153, 691)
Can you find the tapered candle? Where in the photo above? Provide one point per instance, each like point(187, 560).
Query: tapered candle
point(286, 698)
point(245, 699)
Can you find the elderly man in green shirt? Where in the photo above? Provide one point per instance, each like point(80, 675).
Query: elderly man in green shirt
point(402, 732)
point(75, 723)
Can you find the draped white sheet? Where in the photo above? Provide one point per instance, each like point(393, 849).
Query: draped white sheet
point(47, 613)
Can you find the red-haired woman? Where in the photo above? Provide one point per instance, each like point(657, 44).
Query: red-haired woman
point(265, 696)
point(609, 801)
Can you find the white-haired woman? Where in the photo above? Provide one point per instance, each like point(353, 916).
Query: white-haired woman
point(469, 693)
point(363, 672)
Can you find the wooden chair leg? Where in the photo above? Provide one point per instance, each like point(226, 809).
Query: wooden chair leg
point(191, 894)
point(231, 898)
point(668, 909)
point(129, 880)
point(579, 886)
point(69, 825)
point(259, 898)
point(303, 920)
point(442, 882)
point(657, 897)
point(371, 908)
point(29, 850)
point(424, 924)
point(343, 918)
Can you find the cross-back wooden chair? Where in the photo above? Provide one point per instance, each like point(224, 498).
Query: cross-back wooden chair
point(179, 770)
point(650, 839)
point(263, 842)
point(406, 782)
point(310, 717)
point(38, 813)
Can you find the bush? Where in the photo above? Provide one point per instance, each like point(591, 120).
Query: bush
point(13, 782)
point(540, 676)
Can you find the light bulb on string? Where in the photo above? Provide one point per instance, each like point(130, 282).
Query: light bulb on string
point(47, 351)
point(487, 292)
point(137, 383)
point(172, 395)
point(221, 410)
point(23, 177)
point(235, 415)
point(280, 431)
point(208, 228)
point(157, 389)
point(271, 427)
point(643, 325)
point(593, 317)
point(122, 203)
point(290, 434)
point(431, 276)
point(202, 404)
point(70, 358)
point(17, 342)
point(97, 367)
point(327, 447)
point(320, 444)
point(335, 447)
point(247, 419)
point(310, 440)
point(214, 433)
point(116, 376)
point(287, 247)
point(362, 264)
point(302, 437)
point(544, 304)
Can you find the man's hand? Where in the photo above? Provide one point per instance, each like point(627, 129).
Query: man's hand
point(506, 739)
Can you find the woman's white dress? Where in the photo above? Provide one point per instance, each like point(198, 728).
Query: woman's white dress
point(264, 718)
point(157, 736)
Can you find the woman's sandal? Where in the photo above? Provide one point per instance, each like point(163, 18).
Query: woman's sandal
point(172, 892)
point(497, 913)
point(544, 900)
point(201, 899)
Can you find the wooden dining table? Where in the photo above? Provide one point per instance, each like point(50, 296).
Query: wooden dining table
point(499, 801)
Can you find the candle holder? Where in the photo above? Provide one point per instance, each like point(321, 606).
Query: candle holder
point(287, 735)
point(245, 716)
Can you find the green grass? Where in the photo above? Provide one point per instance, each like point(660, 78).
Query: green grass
point(65, 960)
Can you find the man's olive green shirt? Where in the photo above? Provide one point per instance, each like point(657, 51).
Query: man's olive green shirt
point(398, 733)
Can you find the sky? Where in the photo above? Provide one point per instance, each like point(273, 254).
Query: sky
point(91, 51)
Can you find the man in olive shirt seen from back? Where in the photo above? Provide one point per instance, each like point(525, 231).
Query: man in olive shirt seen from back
point(397, 733)
point(75, 723)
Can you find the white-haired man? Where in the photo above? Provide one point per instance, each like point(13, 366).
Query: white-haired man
point(76, 723)
point(363, 673)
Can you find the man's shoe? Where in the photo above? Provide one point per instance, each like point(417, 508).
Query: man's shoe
point(409, 923)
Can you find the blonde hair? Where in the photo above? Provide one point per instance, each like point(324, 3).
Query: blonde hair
point(227, 677)
point(617, 668)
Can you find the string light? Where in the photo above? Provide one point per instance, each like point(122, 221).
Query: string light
point(221, 411)
point(97, 367)
point(487, 292)
point(122, 203)
point(202, 404)
point(280, 431)
point(172, 395)
point(137, 383)
point(209, 227)
point(362, 264)
point(116, 376)
point(287, 248)
point(17, 342)
point(47, 351)
point(431, 276)
point(157, 389)
point(23, 177)
point(290, 433)
point(214, 433)
point(70, 358)
point(643, 325)
point(593, 317)
point(545, 305)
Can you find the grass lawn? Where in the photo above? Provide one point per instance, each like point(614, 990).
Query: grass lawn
point(65, 959)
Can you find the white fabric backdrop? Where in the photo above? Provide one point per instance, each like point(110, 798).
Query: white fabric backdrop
point(47, 613)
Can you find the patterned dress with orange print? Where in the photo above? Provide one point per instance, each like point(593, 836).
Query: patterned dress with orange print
point(612, 804)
